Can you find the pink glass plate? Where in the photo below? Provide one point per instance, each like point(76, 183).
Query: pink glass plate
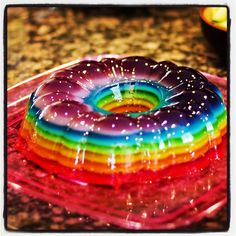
point(163, 205)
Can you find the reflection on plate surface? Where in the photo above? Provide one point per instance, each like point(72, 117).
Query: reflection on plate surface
point(166, 204)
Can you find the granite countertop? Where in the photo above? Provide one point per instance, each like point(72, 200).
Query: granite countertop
point(42, 38)
point(39, 39)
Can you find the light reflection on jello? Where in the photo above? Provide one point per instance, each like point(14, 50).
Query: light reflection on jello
point(124, 120)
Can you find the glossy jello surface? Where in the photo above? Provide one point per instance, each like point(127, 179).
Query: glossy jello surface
point(124, 120)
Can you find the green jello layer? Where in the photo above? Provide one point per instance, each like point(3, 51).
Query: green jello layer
point(104, 147)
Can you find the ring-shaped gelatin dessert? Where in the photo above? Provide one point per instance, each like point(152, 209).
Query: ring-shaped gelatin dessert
point(115, 121)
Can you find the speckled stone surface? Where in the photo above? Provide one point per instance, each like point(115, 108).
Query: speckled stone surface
point(42, 38)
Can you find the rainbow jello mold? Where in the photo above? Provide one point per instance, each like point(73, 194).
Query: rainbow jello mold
point(124, 120)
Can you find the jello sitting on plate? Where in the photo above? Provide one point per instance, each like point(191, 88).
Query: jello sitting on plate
point(115, 121)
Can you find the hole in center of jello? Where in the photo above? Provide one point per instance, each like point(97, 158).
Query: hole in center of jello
point(127, 97)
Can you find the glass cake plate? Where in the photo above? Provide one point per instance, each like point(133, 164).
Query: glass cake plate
point(162, 205)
